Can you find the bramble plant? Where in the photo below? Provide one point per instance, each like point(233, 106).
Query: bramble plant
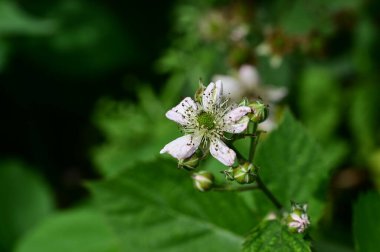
point(211, 124)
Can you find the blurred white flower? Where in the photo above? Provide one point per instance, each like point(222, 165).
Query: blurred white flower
point(264, 49)
point(207, 122)
point(246, 83)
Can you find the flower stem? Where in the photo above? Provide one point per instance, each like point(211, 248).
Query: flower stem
point(254, 140)
point(223, 188)
point(268, 193)
point(260, 184)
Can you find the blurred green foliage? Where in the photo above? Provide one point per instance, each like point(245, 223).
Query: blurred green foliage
point(80, 229)
point(25, 199)
point(366, 223)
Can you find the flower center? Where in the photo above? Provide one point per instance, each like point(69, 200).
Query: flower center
point(206, 120)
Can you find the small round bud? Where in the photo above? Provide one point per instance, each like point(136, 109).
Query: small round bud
point(229, 173)
point(189, 163)
point(203, 180)
point(259, 113)
point(245, 173)
point(298, 220)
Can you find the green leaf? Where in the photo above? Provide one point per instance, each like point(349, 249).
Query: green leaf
point(127, 128)
point(320, 101)
point(273, 236)
point(363, 120)
point(366, 225)
point(25, 200)
point(79, 230)
point(293, 167)
point(153, 207)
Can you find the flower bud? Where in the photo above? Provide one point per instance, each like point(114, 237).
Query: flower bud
point(259, 113)
point(244, 102)
point(189, 163)
point(245, 173)
point(229, 173)
point(298, 220)
point(199, 92)
point(203, 180)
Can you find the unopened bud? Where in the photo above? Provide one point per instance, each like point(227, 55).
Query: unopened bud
point(203, 180)
point(259, 113)
point(244, 102)
point(245, 173)
point(298, 220)
point(229, 173)
point(199, 92)
point(189, 163)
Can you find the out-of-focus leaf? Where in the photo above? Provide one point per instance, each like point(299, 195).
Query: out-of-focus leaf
point(153, 207)
point(320, 101)
point(367, 223)
point(132, 133)
point(89, 40)
point(273, 236)
point(364, 115)
point(13, 21)
point(25, 200)
point(79, 230)
point(293, 166)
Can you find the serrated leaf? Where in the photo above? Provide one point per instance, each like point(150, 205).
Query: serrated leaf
point(271, 236)
point(128, 127)
point(366, 225)
point(153, 207)
point(81, 230)
point(293, 167)
point(25, 200)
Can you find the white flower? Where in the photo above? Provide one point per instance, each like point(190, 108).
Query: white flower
point(299, 221)
point(206, 123)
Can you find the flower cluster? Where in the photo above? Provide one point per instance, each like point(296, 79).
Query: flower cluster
point(205, 122)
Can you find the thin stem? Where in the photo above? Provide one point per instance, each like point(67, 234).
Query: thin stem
point(268, 193)
point(228, 188)
point(253, 144)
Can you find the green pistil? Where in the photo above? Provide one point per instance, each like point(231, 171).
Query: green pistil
point(206, 120)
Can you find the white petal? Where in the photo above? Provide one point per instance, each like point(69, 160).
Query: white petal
point(182, 147)
point(237, 127)
point(212, 95)
point(275, 94)
point(294, 224)
point(183, 111)
point(231, 87)
point(236, 114)
point(221, 152)
point(234, 122)
point(296, 217)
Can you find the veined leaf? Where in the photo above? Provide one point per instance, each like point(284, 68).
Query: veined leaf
point(153, 207)
point(271, 236)
point(293, 167)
